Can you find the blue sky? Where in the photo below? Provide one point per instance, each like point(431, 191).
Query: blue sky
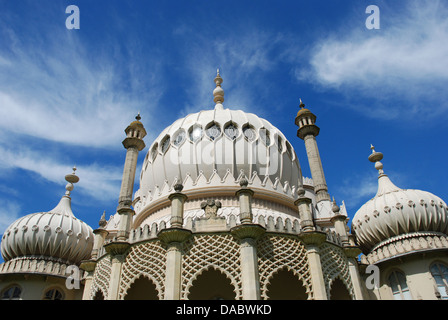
point(67, 95)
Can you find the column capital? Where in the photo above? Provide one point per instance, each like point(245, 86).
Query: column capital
point(338, 217)
point(352, 251)
point(88, 265)
point(243, 231)
point(315, 238)
point(117, 248)
point(125, 209)
point(244, 191)
point(171, 235)
point(177, 195)
point(101, 231)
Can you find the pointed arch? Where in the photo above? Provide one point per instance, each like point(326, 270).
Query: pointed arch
point(338, 290)
point(286, 285)
point(212, 284)
point(142, 288)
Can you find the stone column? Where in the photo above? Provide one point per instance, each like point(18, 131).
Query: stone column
point(89, 267)
point(118, 251)
point(339, 222)
point(248, 233)
point(245, 200)
point(100, 236)
point(173, 237)
point(312, 240)
point(352, 253)
point(306, 218)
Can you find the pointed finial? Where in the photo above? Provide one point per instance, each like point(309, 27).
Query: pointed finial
point(302, 105)
point(335, 208)
point(218, 93)
point(138, 116)
point(102, 223)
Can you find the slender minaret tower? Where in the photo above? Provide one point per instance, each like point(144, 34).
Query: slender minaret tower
point(308, 132)
point(133, 143)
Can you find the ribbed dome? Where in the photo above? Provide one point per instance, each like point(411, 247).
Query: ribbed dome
point(214, 149)
point(394, 212)
point(56, 234)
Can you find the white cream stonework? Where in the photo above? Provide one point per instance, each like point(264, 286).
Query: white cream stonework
point(222, 211)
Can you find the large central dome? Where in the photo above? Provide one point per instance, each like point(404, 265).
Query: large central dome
point(212, 150)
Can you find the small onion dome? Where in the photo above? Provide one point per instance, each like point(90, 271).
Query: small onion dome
point(136, 122)
point(56, 234)
point(304, 111)
point(394, 212)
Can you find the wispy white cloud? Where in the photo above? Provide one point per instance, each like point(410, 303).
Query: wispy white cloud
point(55, 88)
point(96, 181)
point(405, 60)
point(9, 212)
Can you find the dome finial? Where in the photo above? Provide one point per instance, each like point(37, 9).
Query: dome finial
point(302, 105)
point(375, 157)
point(71, 179)
point(138, 116)
point(218, 93)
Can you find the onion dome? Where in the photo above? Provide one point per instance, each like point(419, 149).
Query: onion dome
point(396, 213)
point(210, 151)
point(305, 112)
point(55, 235)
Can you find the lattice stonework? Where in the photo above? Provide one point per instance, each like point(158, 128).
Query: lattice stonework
point(335, 265)
point(207, 251)
point(276, 253)
point(147, 260)
point(101, 277)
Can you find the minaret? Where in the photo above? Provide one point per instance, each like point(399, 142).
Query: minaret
point(133, 143)
point(308, 132)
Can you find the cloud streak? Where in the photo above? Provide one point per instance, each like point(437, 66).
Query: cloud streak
point(57, 88)
point(407, 58)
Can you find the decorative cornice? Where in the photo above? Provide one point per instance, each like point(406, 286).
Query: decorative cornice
point(405, 245)
point(35, 265)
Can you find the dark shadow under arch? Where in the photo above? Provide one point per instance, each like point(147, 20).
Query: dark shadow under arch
point(142, 289)
point(339, 291)
point(98, 295)
point(212, 285)
point(284, 285)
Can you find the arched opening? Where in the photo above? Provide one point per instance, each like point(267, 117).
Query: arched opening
point(339, 291)
point(142, 289)
point(284, 285)
point(212, 285)
point(98, 295)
